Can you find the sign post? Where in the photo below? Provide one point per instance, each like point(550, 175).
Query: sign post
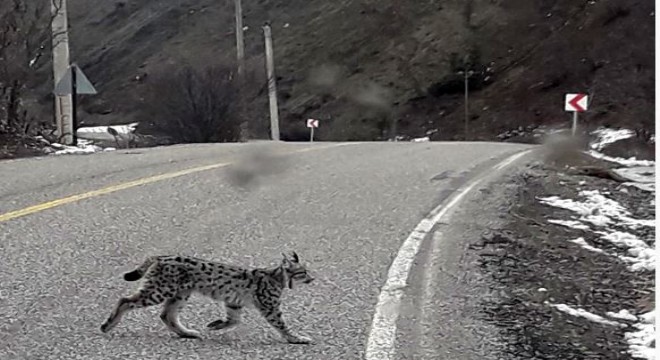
point(74, 82)
point(312, 124)
point(576, 103)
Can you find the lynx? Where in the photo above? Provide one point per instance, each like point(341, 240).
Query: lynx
point(172, 279)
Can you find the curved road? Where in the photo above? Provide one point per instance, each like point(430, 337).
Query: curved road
point(346, 209)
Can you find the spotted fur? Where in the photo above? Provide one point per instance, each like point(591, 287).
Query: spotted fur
point(172, 279)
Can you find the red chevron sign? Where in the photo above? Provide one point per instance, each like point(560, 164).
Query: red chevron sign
point(576, 102)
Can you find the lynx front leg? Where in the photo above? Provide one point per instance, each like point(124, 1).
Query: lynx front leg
point(234, 313)
point(170, 316)
point(274, 317)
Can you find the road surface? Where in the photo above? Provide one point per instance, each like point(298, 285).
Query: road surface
point(346, 209)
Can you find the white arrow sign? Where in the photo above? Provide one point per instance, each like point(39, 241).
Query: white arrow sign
point(312, 123)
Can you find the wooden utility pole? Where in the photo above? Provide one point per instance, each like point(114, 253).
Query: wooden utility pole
point(240, 60)
point(272, 88)
point(240, 43)
point(467, 107)
point(60, 40)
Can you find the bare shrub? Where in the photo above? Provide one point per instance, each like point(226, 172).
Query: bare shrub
point(194, 106)
point(24, 39)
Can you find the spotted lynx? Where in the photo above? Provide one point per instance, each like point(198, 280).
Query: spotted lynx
point(172, 279)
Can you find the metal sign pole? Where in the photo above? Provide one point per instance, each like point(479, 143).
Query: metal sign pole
point(74, 104)
point(575, 120)
point(311, 134)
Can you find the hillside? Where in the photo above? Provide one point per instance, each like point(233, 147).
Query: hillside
point(386, 60)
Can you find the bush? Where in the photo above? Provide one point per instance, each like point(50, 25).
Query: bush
point(194, 106)
point(24, 39)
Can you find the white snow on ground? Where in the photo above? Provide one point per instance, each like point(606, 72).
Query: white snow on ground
point(423, 139)
point(121, 129)
point(580, 241)
point(578, 312)
point(603, 213)
point(100, 133)
point(640, 174)
point(622, 315)
point(642, 255)
point(597, 209)
point(625, 162)
point(641, 177)
point(84, 147)
point(609, 217)
point(573, 224)
point(642, 340)
point(606, 136)
point(606, 214)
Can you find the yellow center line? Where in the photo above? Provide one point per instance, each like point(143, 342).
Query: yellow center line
point(126, 185)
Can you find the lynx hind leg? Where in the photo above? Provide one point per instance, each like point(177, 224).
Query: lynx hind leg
point(144, 297)
point(170, 316)
point(234, 315)
point(274, 317)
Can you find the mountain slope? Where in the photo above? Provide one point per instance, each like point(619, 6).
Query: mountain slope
point(385, 61)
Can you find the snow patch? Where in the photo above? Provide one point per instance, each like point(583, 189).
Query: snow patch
point(580, 241)
point(578, 312)
point(607, 136)
point(640, 174)
point(121, 129)
point(622, 315)
point(423, 139)
point(604, 213)
point(597, 209)
point(84, 147)
point(642, 340)
point(100, 133)
point(641, 177)
point(642, 255)
point(632, 161)
point(573, 224)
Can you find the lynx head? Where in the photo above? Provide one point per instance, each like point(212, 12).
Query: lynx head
point(295, 272)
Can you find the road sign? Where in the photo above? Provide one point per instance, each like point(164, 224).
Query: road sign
point(83, 85)
point(312, 123)
point(74, 82)
point(576, 102)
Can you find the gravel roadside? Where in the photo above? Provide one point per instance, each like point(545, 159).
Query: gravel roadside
point(568, 291)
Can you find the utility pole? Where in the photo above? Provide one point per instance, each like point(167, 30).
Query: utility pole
point(240, 59)
point(272, 89)
point(60, 40)
point(467, 73)
point(240, 44)
point(467, 107)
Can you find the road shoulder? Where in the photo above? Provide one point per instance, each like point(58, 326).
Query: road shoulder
point(571, 291)
point(440, 312)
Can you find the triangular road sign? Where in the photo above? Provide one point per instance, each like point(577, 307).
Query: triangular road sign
point(83, 85)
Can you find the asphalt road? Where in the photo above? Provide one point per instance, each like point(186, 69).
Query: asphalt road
point(344, 209)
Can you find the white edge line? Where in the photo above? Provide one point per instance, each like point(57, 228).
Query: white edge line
point(382, 336)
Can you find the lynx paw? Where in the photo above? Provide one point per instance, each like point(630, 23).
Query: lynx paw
point(221, 325)
point(190, 334)
point(299, 340)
